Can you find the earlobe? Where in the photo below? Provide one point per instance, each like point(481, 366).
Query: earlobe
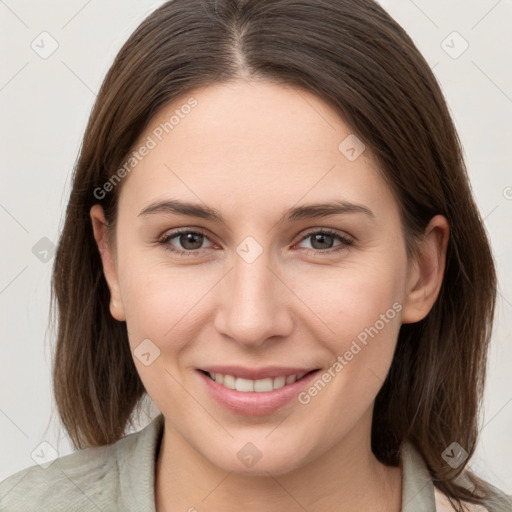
point(425, 275)
point(99, 225)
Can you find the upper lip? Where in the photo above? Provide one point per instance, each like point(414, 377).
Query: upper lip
point(256, 373)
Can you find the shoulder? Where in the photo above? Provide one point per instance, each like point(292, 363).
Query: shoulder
point(89, 479)
point(66, 480)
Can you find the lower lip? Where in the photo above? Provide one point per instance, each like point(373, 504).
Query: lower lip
point(255, 403)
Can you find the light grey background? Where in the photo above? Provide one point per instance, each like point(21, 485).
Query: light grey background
point(45, 103)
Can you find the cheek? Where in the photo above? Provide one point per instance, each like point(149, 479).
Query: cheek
point(161, 302)
point(364, 318)
point(368, 302)
point(346, 301)
point(357, 318)
point(162, 305)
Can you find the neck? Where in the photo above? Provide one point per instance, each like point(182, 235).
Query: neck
point(346, 477)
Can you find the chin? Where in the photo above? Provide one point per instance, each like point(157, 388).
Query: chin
point(249, 460)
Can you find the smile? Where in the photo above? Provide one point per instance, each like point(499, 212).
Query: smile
point(255, 391)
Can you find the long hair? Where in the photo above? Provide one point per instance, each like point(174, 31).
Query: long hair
point(355, 57)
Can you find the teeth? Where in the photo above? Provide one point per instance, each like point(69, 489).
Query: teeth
point(248, 385)
point(229, 381)
point(291, 379)
point(244, 384)
point(279, 382)
point(264, 385)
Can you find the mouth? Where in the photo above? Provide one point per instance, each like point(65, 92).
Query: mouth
point(263, 385)
point(271, 390)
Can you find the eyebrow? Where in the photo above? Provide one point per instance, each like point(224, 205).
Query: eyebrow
point(307, 211)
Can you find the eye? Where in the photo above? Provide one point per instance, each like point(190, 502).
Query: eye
point(189, 242)
point(322, 241)
point(186, 241)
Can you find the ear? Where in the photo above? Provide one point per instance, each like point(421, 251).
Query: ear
point(99, 225)
point(425, 275)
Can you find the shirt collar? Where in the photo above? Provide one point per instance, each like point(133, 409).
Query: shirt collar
point(417, 486)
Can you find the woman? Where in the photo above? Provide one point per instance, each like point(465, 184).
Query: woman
point(321, 343)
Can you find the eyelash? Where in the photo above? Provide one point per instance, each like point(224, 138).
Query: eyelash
point(345, 241)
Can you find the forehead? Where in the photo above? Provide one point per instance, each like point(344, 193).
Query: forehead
point(252, 145)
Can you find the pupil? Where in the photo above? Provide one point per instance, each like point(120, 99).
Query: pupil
point(321, 238)
point(189, 238)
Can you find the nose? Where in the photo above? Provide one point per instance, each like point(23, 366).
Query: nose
point(255, 305)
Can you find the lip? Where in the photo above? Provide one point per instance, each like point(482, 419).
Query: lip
point(253, 403)
point(257, 373)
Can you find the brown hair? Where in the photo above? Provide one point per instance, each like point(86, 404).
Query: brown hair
point(354, 56)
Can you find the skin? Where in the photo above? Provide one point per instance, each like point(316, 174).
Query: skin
point(252, 151)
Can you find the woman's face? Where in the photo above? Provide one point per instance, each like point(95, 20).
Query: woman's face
point(260, 283)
